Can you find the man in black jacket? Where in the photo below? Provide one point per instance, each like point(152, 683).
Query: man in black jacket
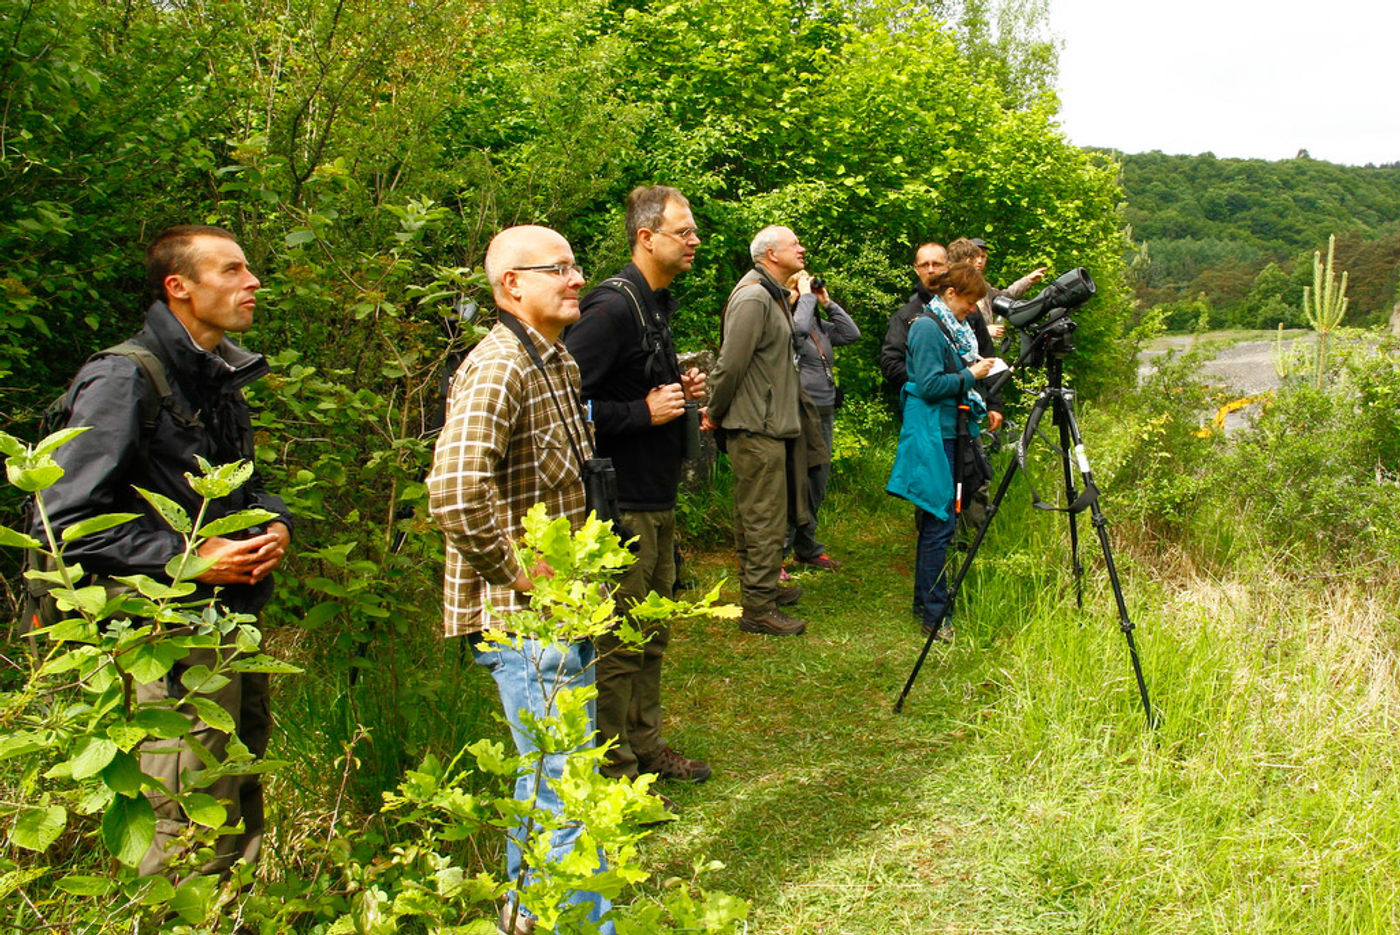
point(633, 382)
point(203, 289)
point(930, 262)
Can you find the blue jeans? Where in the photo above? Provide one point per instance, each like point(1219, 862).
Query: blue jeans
point(930, 557)
point(527, 679)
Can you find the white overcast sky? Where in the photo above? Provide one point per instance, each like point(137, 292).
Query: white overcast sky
point(1239, 78)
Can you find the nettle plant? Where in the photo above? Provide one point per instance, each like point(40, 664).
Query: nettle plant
point(72, 792)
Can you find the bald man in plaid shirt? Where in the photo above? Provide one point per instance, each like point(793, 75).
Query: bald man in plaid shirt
point(515, 436)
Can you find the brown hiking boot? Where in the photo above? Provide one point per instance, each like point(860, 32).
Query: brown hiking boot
point(788, 596)
point(773, 623)
point(668, 764)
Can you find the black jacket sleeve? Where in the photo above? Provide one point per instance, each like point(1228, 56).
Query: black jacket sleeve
point(987, 348)
point(894, 350)
point(100, 466)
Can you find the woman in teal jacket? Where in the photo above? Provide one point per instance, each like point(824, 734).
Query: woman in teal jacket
point(943, 365)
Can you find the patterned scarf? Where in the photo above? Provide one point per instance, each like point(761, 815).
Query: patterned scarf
point(964, 343)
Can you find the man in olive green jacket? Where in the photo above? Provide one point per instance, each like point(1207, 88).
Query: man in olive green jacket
point(754, 398)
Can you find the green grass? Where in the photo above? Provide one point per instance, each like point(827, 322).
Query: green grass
point(1021, 791)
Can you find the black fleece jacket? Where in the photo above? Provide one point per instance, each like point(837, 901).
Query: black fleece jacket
point(607, 343)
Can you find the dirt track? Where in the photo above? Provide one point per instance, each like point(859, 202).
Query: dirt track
point(1246, 367)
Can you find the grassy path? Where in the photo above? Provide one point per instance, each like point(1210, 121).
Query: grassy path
point(1019, 791)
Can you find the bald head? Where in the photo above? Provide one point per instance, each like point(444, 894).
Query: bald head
point(545, 299)
point(518, 246)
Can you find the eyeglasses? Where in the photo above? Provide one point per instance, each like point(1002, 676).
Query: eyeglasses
point(558, 269)
point(681, 235)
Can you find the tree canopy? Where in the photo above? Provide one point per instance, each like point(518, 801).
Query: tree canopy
point(359, 150)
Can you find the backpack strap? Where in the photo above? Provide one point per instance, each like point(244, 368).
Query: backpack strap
point(649, 330)
point(157, 380)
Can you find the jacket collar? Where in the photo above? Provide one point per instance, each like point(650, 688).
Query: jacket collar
point(770, 285)
point(229, 364)
point(659, 300)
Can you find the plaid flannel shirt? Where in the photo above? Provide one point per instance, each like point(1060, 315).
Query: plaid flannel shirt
point(502, 450)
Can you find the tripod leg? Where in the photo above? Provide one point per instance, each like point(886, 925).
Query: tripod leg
point(1064, 413)
point(1100, 524)
point(956, 583)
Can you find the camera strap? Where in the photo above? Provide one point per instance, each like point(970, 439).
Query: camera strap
point(517, 328)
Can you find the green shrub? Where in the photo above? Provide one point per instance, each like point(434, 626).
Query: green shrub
point(1320, 467)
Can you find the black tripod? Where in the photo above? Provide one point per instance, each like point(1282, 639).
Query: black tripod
point(1059, 400)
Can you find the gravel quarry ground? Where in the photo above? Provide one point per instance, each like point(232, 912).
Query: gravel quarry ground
point(1244, 363)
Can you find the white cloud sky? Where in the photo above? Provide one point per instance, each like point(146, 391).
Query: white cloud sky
point(1239, 78)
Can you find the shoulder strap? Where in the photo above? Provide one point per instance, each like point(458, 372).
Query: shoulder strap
point(660, 365)
point(950, 356)
point(619, 284)
point(517, 328)
point(154, 370)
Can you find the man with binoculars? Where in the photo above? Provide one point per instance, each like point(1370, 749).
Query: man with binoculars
point(646, 415)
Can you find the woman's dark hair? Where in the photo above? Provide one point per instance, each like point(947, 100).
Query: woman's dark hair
point(963, 278)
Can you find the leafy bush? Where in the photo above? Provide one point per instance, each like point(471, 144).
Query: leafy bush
point(73, 783)
point(1150, 454)
point(1320, 467)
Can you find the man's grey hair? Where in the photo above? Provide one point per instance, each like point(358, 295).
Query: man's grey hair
point(765, 240)
point(645, 207)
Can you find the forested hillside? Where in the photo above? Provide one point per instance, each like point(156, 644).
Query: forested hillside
point(1241, 233)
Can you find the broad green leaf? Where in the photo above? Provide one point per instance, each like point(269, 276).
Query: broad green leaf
point(264, 664)
point(11, 539)
point(150, 661)
point(204, 809)
point(31, 477)
point(319, 614)
point(220, 481)
point(327, 586)
point(187, 568)
point(150, 891)
point(170, 511)
point(11, 446)
point(213, 715)
point(51, 443)
point(161, 722)
point(20, 743)
point(123, 775)
point(125, 736)
point(235, 522)
point(194, 897)
point(128, 827)
point(94, 524)
point(85, 884)
point(247, 639)
point(37, 828)
point(89, 600)
point(200, 679)
point(93, 754)
point(75, 571)
point(156, 590)
point(300, 236)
